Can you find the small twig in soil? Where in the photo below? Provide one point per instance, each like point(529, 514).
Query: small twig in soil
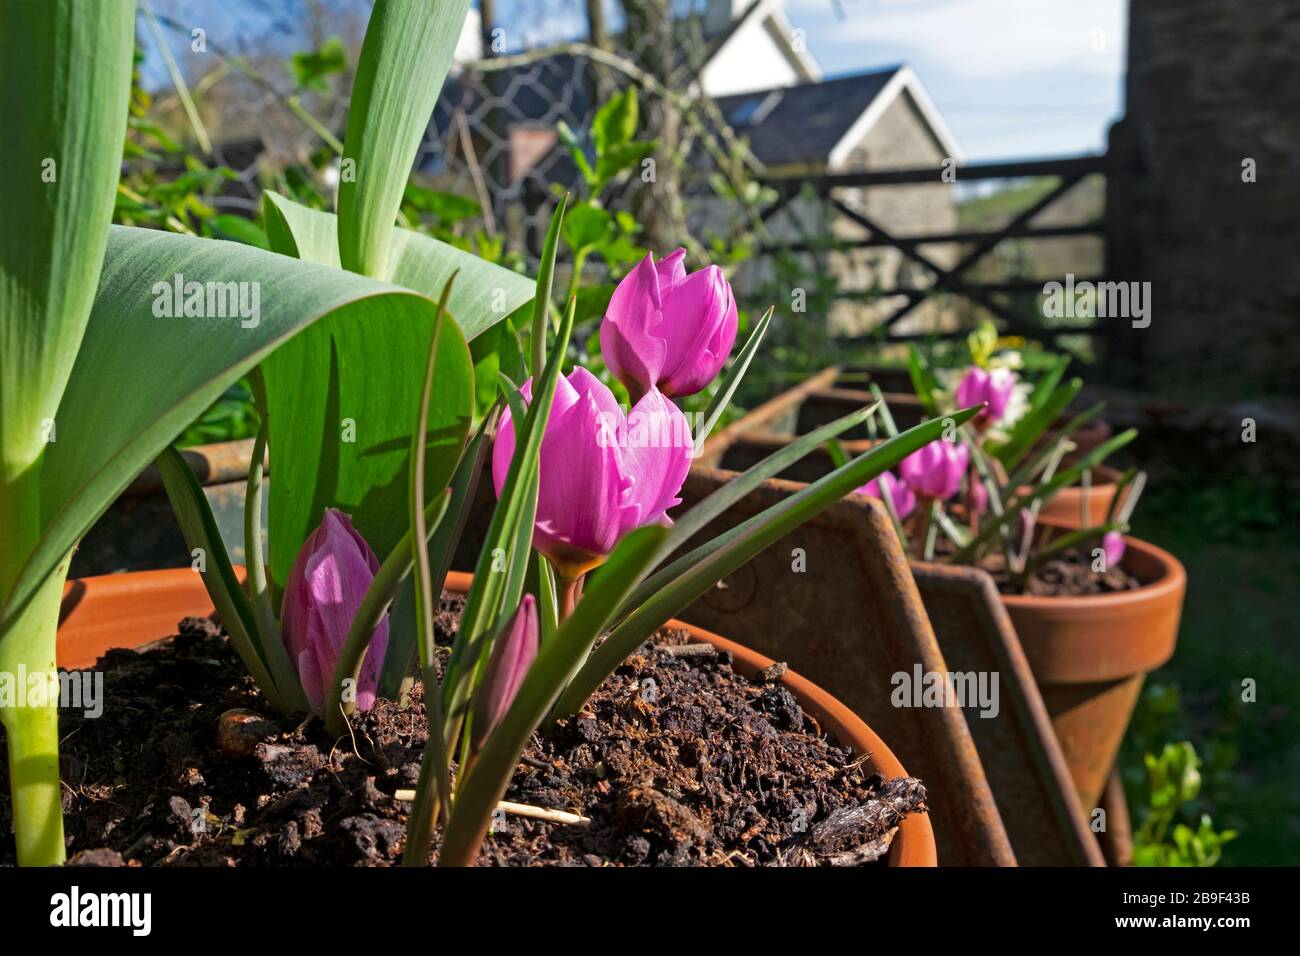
point(687, 650)
point(520, 810)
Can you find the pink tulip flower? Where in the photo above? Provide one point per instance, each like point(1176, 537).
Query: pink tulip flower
point(1112, 543)
point(668, 330)
point(994, 388)
point(935, 471)
point(325, 588)
point(901, 496)
point(603, 473)
point(512, 655)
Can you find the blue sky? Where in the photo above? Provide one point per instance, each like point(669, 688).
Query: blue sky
point(1013, 78)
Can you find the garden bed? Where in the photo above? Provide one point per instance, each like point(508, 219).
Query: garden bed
point(677, 760)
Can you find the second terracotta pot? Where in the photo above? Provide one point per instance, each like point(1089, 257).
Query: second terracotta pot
point(1090, 654)
point(1066, 506)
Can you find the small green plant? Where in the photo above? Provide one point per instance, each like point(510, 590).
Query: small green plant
point(1174, 782)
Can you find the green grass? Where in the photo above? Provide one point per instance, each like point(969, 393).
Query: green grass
point(1238, 623)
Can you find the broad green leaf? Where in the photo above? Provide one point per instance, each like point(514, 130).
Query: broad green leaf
point(486, 782)
point(586, 225)
point(311, 68)
point(404, 60)
point(615, 122)
point(710, 563)
point(447, 208)
point(110, 426)
point(485, 293)
point(65, 67)
point(622, 156)
point(340, 400)
point(370, 373)
point(495, 351)
point(238, 229)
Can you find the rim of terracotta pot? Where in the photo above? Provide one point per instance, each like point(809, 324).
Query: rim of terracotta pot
point(138, 608)
point(1102, 637)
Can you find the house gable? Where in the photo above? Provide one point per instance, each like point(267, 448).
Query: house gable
point(758, 51)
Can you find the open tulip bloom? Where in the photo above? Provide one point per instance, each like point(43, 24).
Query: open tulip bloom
point(579, 543)
point(1001, 485)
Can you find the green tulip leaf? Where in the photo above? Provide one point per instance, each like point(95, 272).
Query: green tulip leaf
point(404, 59)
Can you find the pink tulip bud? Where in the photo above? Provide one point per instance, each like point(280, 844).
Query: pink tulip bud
point(512, 654)
point(979, 495)
point(668, 330)
point(886, 485)
point(325, 588)
point(603, 473)
point(1112, 543)
point(935, 471)
point(994, 388)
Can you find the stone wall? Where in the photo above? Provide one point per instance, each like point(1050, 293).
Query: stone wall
point(1211, 85)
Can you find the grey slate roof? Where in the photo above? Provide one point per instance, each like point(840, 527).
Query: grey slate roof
point(802, 123)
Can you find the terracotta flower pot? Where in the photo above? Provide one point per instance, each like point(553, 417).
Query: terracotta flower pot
point(1089, 655)
point(1066, 507)
point(133, 610)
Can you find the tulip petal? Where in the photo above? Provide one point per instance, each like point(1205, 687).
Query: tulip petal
point(657, 457)
point(631, 337)
point(700, 321)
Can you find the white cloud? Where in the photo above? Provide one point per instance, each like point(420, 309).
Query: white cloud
point(984, 37)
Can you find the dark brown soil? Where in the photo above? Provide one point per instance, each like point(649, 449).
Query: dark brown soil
point(1067, 574)
point(677, 760)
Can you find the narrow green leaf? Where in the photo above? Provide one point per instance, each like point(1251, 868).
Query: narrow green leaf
point(710, 563)
point(511, 528)
point(478, 794)
point(1030, 428)
point(923, 381)
point(401, 656)
point(545, 279)
point(199, 527)
point(1031, 465)
point(1042, 493)
point(698, 517)
point(731, 381)
point(435, 788)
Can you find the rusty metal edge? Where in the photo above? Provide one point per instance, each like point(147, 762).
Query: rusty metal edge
point(773, 408)
point(1028, 702)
